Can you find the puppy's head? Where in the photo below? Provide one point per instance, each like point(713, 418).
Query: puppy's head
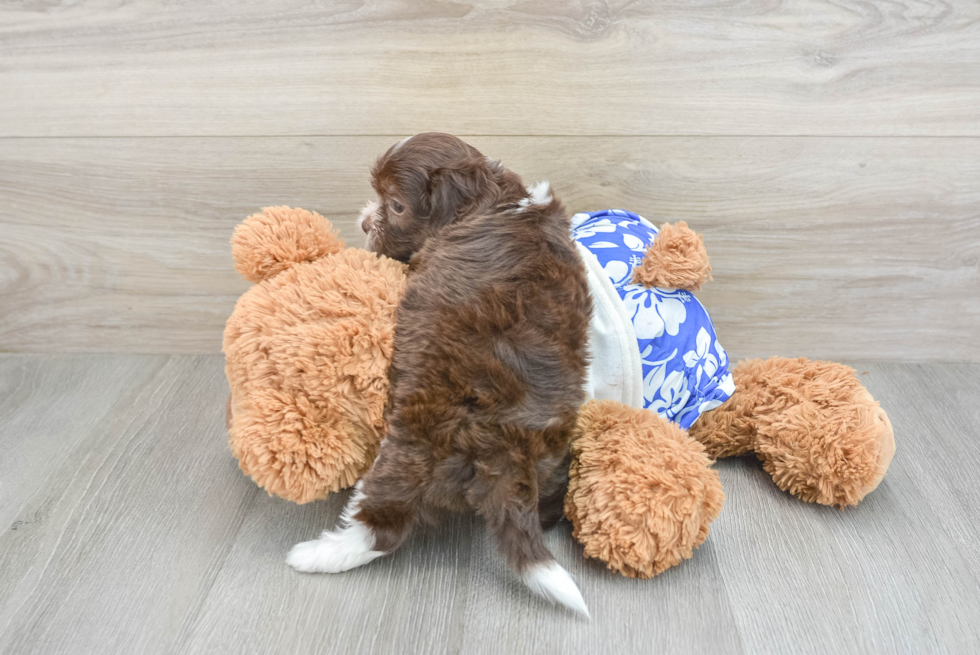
point(425, 183)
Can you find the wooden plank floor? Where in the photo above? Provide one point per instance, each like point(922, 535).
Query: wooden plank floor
point(127, 528)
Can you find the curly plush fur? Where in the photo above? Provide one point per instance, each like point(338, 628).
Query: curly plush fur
point(307, 352)
point(817, 430)
point(307, 355)
point(641, 491)
point(268, 243)
point(676, 259)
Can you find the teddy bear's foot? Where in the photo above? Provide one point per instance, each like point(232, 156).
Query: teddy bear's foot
point(884, 435)
point(832, 454)
point(641, 491)
point(817, 430)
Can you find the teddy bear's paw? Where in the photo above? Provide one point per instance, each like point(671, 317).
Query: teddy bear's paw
point(641, 491)
point(334, 552)
point(829, 454)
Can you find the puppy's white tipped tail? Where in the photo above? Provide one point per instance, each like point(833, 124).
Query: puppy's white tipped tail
point(549, 580)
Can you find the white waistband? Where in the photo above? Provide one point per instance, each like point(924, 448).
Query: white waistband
point(615, 372)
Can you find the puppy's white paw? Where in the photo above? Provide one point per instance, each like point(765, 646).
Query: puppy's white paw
point(306, 557)
point(334, 552)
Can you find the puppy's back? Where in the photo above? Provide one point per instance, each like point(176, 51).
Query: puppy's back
point(508, 285)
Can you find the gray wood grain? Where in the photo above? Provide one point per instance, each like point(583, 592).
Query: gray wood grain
point(890, 575)
point(685, 610)
point(829, 151)
point(409, 603)
point(944, 406)
point(829, 247)
point(43, 399)
point(141, 68)
point(120, 536)
point(127, 527)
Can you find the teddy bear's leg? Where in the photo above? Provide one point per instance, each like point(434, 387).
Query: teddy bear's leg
point(641, 491)
point(817, 430)
point(730, 430)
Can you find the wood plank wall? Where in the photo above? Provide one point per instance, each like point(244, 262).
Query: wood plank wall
point(829, 151)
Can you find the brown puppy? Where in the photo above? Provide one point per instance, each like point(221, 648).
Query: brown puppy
point(489, 366)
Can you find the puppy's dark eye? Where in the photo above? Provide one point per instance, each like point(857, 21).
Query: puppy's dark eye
point(397, 207)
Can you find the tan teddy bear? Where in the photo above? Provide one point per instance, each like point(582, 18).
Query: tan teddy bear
point(306, 353)
point(308, 347)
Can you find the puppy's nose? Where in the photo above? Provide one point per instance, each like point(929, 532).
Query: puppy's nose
point(367, 213)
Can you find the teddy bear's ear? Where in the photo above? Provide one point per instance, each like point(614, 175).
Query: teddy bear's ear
point(675, 260)
point(268, 243)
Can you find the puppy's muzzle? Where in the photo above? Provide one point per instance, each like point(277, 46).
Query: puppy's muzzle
point(367, 216)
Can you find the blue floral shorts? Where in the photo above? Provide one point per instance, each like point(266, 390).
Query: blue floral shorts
point(681, 370)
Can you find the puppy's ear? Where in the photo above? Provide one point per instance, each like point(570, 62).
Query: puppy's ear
point(459, 188)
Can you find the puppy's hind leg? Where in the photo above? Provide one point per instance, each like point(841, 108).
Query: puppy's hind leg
point(378, 517)
point(551, 495)
point(516, 523)
point(346, 547)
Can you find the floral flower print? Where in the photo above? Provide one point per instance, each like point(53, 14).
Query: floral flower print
point(665, 322)
point(654, 312)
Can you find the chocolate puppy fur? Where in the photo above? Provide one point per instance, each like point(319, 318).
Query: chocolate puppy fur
point(489, 365)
